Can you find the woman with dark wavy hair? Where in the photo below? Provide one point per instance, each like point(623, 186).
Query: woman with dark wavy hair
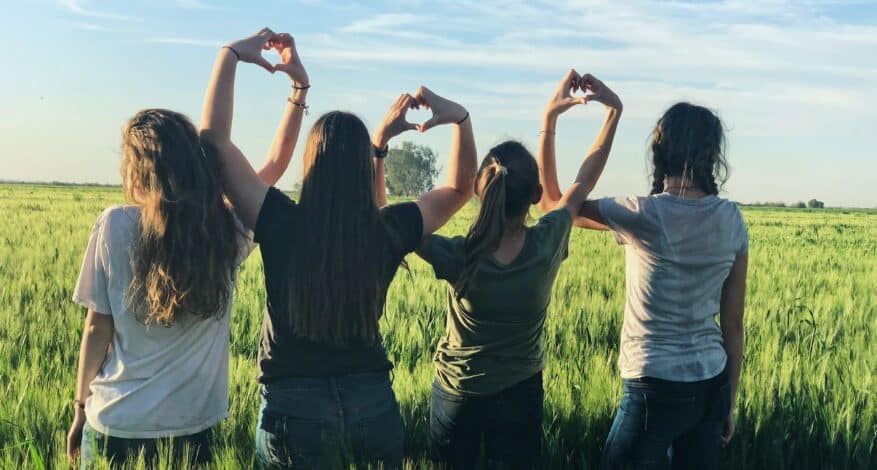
point(157, 280)
point(329, 259)
point(687, 257)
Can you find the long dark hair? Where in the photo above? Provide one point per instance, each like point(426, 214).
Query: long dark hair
point(185, 250)
point(689, 141)
point(507, 184)
point(336, 292)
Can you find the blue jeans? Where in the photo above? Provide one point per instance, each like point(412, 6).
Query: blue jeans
point(510, 422)
point(662, 424)
point(329, 422)
point(119, 450)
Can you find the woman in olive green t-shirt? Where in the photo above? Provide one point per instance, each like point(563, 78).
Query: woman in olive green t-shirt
point(489, 364)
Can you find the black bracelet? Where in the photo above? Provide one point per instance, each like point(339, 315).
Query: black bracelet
point(461, 121)
point(233, 51)
point(303, 106)
point(380, 154)
point(294, 87)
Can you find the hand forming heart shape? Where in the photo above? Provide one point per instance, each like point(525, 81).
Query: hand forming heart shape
point(444, 111)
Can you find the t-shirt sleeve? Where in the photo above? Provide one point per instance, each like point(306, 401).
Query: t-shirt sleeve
point(626, 216)
point(245, 241)
point(407, 221)
point(744, 235)
point(92, 288)
point(554, 228)
point(275, 218)
point(445, 255)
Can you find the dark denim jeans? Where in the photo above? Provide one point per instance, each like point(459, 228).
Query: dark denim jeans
point(510, 423)
point(119, 450)
point(662, 424)
point(329, 422)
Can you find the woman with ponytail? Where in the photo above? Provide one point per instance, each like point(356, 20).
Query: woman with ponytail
point(157, 280)
point(687, 257)
point(488, 384)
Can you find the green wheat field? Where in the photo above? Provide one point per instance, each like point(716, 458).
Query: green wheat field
point(808, 394)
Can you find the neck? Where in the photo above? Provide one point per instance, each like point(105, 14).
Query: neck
point(682, 187)
point(515, 225)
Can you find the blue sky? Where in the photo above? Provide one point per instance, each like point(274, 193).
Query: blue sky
point(795, 81)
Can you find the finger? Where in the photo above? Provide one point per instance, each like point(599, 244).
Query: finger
point(410, 126)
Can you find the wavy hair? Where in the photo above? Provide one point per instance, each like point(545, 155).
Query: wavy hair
point(507, 184)
point(689, 141)
point(185, 250)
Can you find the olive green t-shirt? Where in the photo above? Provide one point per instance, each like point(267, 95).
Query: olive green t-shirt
point(494, 333)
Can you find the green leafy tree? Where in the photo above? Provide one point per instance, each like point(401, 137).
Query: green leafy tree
point(410, 169)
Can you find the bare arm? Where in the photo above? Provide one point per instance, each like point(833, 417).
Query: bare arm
point(290, 124)
point(595, 159)
point(393, 124)
point(244, 188)
point(731, 320)
point(96, 338)
point(440, 204)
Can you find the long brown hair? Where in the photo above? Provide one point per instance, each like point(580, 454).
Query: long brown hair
point(689, 141)
point(336, 292)
point(507, 184)
point(185, 250)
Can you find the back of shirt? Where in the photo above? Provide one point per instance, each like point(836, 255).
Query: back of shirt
point(679, 254)
point(494, 333)
point(156, 381)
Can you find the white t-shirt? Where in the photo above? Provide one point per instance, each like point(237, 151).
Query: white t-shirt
point(156, 381)
point(679, 253)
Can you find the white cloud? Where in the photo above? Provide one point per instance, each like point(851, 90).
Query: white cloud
point(75, 7)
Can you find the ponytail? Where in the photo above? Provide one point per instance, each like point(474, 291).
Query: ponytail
point(486, 233)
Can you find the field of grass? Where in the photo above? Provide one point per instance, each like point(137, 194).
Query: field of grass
point(808, 393)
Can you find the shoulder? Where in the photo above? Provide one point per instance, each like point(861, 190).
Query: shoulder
point(406, 219)
point(402, 211)
point(117, 219)
point(557, 220)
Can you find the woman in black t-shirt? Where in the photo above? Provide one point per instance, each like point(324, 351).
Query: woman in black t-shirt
point(328, 260)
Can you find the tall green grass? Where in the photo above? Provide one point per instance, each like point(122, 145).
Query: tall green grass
point(807, 397)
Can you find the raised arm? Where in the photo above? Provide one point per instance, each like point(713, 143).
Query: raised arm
point(734, 338)
point(243, 187)
point(394, 123)
point(290, 123)
point(560, 102)
point(440, 204)
point(595, 159)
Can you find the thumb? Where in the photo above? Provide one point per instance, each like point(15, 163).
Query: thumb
point(432, 122)
point(410, 126)
point(262, 62)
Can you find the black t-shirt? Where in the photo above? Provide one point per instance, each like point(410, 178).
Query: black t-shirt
point(281, 354)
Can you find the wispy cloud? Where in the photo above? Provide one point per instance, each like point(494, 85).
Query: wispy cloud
point(75, 7)
point(186, 41)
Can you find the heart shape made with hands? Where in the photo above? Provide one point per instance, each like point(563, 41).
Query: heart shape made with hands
point(443, 111)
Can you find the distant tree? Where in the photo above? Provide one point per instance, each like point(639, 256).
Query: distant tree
point(815, 204)
point(800, 204)
point(296, 188)
point(410, 169)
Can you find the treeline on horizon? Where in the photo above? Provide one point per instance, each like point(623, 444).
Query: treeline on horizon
point(811, 204)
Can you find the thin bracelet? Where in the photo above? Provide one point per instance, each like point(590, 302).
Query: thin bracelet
point(294, 87)
point(461, 121)
point(79, 404)
point(303, 106)
point(548, 132)
point(233, 51)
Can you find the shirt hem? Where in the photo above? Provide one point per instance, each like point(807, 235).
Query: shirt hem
point(187, 431)
point(645, 372)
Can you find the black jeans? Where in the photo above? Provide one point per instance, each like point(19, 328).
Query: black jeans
point(662, 424)
point(330, 422)
point(120, 450)
point(509, 422)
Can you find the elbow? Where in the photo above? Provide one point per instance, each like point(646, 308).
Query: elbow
point(100, 329)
